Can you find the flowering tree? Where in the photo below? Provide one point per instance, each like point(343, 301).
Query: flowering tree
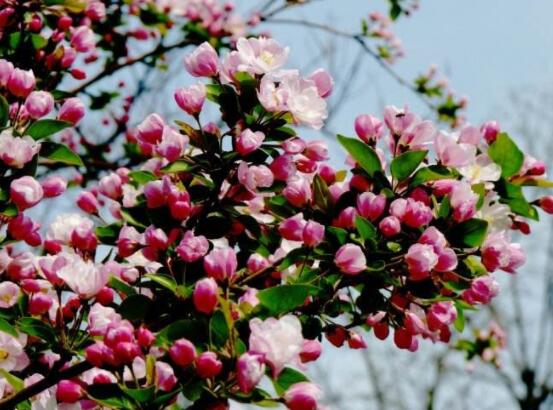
point(216, 255)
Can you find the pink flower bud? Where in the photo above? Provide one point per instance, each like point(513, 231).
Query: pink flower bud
point(151, 129)
point(39, 304)
point(95, 353)
point(105, 296)
point(249, 141)
point(292, 228)
point(16, 152)
point(482, 290)
point(205, 295)
point(350, 259)
point(441, 314)
point(323, 81)
point(126, 352)
point(128, 241)
point(183, 352)
point(165, 377)
point(257, 263)
point(298, 191)
point(546, 203)
point(145, 337)
point(283, 167)
point(72, 110)
point(221, 263)
point(208, 365)
point(95, 11)
point(39, 104)
point(83, 238)
point(421, 259)
point(390, 226)
point(371, 206)
point(25, 229)
point(310, 351)
point(346, 218)
point(21, 82)
point(53, 186)
point(191, 99)
point(88, 202)
point(293, 145)
point(303, 396)
point(490, 130)
point(156, 238)
point(25, 192)
point(191, 248)
point(111, 186)
point(5, 14)
point(203, 61)
point(316, 150)
point(250, 369)
point(368, 128)
point(356, 341)
point(416, 214)
point(313, 234)
point(179, 204)
point(172, 144)
point(68, 391)
point(82, 39)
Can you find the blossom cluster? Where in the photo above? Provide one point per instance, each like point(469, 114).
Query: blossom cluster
point(217, 261)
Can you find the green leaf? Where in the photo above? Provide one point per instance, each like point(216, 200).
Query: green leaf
point(135, 307)
point(38, 328)
point(366, 229)
point(459, 323)
point(506, 154)
point(285, 298)
point(14, 39)
point(405, 164)
point(472, 233)
point(140, 395)
point(60, 153)
point(287, 378)
point(320, 193)
point(108, 234)
point(127, 215)
point(431, 173)
point(166, 281)
point(14, 381)
point(45, 128)
point(178, 166)
point(339, 233)
point(110, 395)
point(38, 41)
point(218, 329)
point(4, 111)
point(364, 155)
point(192, 330)
point(7, 327)
point(120, 286)
point(142, 177)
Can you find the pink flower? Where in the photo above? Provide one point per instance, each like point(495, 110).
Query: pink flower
point(39, 104)
point(26, 192)
point(21, 82)
point(172, 144)
point(313, 234)
point(470, 135)
point(441, 314)
point(255, 176)
point(208, 365)
point(183, 352)
point(350, 259)
point(416, 214)
point(9, 293)
point(482, 290)
point(298, 191)
point(53, 186)
point(249, 141)
point(16, 152)
point(191, 248)
point(371, 206)
point(432, 236)
point(490, 130)
point(303, 396)
point(398, 120)
point(256, 263)
point(6, 69)
point(310, 351)
point(279, 341)
point(323, 81)
point(128, 241)
point(292, 228)
point(155, 194)
point(205, 295)
point(100, 318)
point(250, 369)
point(68, 391)
point(420, 137)
point(453, 154)
point(368, 128)
point(260, 55)
point(191, 99)
point(316, 150)
point(283, 167)
point(421, 259)
point(165, 377)
point(82, 39)
point(203, 61)
point(221, 263)
point(13, 353)
point(72, 110)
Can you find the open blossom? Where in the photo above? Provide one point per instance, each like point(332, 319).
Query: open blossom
point(250, 368)
point(454, 154)
point(260, 55)
point(15, 151)
point(279, 341)
point(82, 277)
point(12, 353)
point(221, 263)
point(481, 170)
point(172, 144)
point(82, 39)
point(482, 290)
point(248, 141)
point(255, 176)
point(191, 247)
point(100, 318)
point(9, 293)
point(499, 253)
point(463, 200)
point(368, 128)
point(63, 226)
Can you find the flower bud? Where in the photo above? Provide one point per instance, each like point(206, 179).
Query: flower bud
point(191, 99)
point(21, 82)
point(68, 391)
point(390, 226)
point(88, 202)
point(205, 295)
point(313, 234)
point(39, 104)
point(182, 352)
point(371, 206)
point(350, 259)
point(303, 396)
point(72, 110)
point(310, 351)
point(221, 263)
point(191, 248)
point(208, 365)
point(249, 141)
point(249, 371)
point(25, 192)
point(203, 61)
point(53, 186)
point(82, 39)
point(39, 304)
point(292, 228)
point(368, 128)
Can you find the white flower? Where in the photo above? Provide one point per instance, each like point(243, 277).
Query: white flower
point(260, 55)
point(278, 340)
point(82, 277)
point(496, 214)
point(12, 355)
point(63, 226)
point(100, 317)
point(482, 170)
